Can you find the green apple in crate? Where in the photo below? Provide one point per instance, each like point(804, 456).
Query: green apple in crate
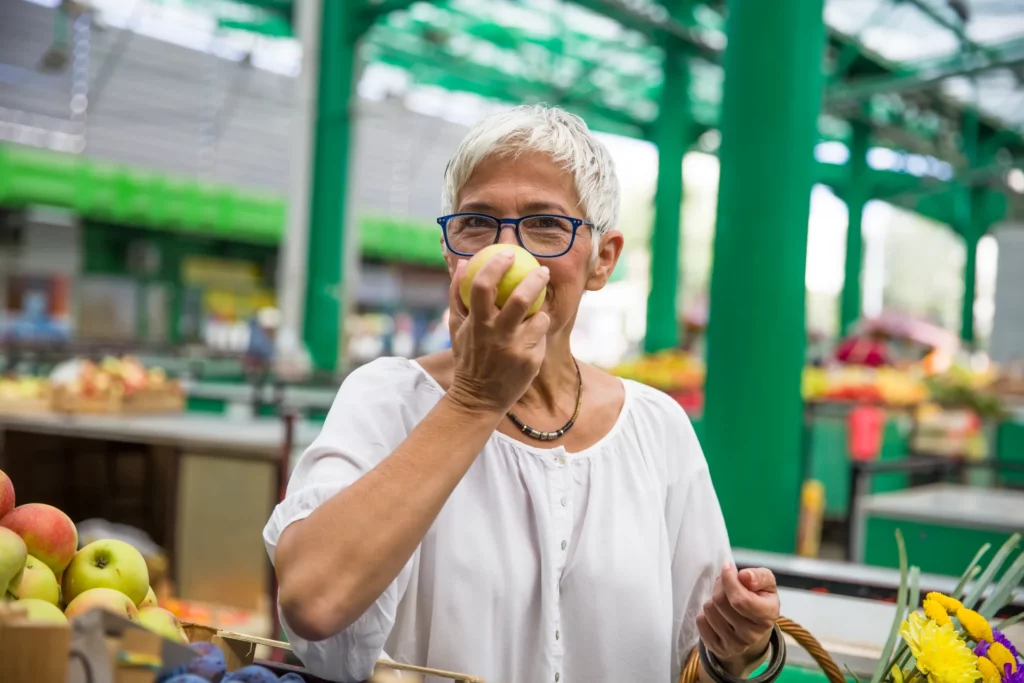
point(163, 623)
point(41, 612)
point(12, 559)
point(37, 582)
point(108, 563)
point(150, 600)
point(109, 599)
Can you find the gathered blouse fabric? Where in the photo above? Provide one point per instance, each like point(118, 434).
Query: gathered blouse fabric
point(543, 566)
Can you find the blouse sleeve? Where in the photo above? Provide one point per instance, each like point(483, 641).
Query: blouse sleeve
point(365, 424)
point(700, 542)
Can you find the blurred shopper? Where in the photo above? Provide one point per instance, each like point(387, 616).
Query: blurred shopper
point(500, 508)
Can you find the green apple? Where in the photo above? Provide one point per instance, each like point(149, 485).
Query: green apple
point(524, 262)
point(40, 611)
point(150, 600)
point(107, 563)
point(109, 599)
point(163, 623)
point(13, 554)
point(37, 582)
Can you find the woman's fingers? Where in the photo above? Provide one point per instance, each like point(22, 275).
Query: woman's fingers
point(535, 330)
point(523, 296)
point(457, 310)
point(484, 288)
point(757, 608)
point(728, 639)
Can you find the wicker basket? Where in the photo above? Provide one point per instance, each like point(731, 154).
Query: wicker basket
point(691, 671)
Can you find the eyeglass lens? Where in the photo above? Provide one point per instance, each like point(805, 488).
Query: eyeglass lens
point(542, 235)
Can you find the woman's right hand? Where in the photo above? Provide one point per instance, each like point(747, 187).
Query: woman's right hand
point(498, 352)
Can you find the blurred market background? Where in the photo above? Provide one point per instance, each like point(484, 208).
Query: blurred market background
point(211, 210)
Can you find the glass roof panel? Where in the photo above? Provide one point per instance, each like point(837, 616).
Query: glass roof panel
point(561, 52)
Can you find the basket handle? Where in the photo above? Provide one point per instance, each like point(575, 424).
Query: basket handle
point(691, 671)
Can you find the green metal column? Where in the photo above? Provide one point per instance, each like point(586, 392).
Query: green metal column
point(324, 297)
point(857, 194)
point(970, 225)
point(753, 416)
point(672, 136)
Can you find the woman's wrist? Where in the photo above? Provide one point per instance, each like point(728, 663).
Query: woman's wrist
point(745, 664)
point(469, 411)
point(469, 402)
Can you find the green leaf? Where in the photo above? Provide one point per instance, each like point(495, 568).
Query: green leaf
point(971, 571)
point(1010, 621)
point(915, 588)
point(978, 589)
point(901, 608)
point(1003, 592)
point(854, 676)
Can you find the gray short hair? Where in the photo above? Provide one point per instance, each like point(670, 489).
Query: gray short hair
point(539, 128)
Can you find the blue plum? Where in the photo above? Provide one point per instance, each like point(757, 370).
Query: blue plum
point(292, 678)
point(184, 678)
point(207, 650)
point(210, 667)
point(254, 673)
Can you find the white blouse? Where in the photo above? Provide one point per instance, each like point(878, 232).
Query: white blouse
point(543, 565)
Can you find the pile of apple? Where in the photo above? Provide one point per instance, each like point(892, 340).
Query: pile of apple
point(119, 376)
point(52, 580)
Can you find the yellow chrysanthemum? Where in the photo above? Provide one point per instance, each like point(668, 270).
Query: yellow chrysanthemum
point(989, 672)
point(897, 674)
point(936, 612)
point(977, 626)
point(951, 605)
point(1002, 657)
point(940, 653)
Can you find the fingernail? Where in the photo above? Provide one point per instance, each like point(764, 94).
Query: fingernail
point(545, 271)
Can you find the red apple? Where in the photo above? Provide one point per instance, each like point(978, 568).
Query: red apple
point(103, 598)
point(6, 494)
point(49, 534)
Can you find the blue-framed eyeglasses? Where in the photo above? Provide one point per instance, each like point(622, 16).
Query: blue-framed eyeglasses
point(543, 235)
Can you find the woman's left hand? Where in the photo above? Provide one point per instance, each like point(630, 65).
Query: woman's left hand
point(736, 623)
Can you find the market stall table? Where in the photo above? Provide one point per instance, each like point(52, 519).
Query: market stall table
point(942, 524)
point(201, 485)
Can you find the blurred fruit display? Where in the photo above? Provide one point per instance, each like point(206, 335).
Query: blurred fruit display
point(25, 394)
point(669, 371)
point(114, 385)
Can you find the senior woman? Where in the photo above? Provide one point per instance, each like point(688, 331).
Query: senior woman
point(501, 508)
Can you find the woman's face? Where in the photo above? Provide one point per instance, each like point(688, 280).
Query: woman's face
point(532, 183)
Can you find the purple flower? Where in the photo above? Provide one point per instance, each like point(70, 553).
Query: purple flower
point(1014, 677)
point(981, 649)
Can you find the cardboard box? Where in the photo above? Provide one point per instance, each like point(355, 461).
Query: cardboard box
point(100, 647)
point(97, 647)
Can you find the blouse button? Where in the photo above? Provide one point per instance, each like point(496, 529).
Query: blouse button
point(565, 501)
point(557, 634)
point(557, 677)
point(564, 544)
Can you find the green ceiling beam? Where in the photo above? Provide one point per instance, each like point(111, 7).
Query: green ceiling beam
point(652, 21)
point(1005, 55)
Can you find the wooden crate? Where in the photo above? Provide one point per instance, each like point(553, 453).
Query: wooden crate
point(65, 401)
point(155, 401)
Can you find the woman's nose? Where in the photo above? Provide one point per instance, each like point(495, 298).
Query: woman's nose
point(507, 234)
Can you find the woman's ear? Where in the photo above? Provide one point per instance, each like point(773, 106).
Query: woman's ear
point(608, 251)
